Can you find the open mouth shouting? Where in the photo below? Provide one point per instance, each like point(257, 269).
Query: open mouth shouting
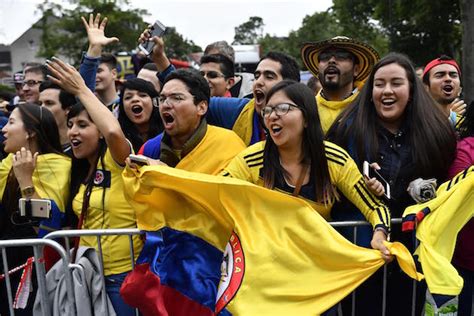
point(275, 130)
point(447, 89)
point(259, 96)
point(137, 109)
point(168, 120)
point(331, 71)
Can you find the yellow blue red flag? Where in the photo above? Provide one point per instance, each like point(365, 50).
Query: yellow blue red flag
point(275, 254)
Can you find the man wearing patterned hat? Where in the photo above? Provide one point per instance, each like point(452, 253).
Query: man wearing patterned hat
point(342, 66)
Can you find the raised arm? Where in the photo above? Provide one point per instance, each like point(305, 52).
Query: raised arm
point(97, 40)
point(70, 80)
point(158, 55)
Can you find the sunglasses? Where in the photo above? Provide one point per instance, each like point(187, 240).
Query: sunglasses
point(339, 55)
point(212, 74)
point(31, 83)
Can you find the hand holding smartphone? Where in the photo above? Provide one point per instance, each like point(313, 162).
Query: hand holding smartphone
point(38, 208)
point(139, 160)
point(370, 173)
point(157, 29)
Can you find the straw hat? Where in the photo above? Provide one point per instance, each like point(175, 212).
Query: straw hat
point(366, 55)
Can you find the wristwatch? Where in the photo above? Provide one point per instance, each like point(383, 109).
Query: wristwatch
point(28, 191)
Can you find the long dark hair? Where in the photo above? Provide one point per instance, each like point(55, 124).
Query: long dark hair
point(128, 127)
point(40, 122)
point(432, 139)
point(80, 167)
point(466, 126)
point(314, 153)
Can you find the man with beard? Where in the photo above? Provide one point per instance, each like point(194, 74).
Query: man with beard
point(342, 65)
point(240, 115)
point(442, 79)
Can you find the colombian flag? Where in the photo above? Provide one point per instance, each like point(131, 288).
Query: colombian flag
point(248, 250)
point(437, 224)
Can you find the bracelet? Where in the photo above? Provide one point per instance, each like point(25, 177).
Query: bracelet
point(28, 191)
point(381, 229)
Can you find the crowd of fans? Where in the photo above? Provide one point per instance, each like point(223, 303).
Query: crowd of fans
point(68, 134)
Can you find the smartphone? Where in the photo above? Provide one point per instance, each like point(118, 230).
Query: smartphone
point(139, 160)
point(157, 29)
point(39, 208)
point(370, 173)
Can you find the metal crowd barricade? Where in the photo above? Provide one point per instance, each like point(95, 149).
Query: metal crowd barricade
point(38, 245)
point(356, 225)
point(98, 233)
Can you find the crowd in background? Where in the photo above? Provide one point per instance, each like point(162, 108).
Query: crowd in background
point(68, 134)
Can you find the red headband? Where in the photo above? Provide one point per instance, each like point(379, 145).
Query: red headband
point(437, 62)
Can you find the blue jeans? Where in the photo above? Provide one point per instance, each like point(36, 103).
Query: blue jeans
point(112, 286)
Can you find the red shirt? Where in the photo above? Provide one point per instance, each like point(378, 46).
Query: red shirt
point(464, 252)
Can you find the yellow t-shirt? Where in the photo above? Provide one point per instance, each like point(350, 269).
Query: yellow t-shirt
point(109, 210)
point(343, 172)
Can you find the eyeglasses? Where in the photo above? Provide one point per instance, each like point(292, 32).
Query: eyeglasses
point(280, 109)
point(172, 99)
point(339, 55)
point(31, 83)
point(212, 74)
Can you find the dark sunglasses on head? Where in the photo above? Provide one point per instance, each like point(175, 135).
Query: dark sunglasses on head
point(339, 55)
point(212, 74)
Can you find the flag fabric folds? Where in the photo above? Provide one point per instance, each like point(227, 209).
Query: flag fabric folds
point(278, 256)
point(437, 223)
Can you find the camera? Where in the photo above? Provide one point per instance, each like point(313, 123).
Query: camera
point(35, 208)
point(427, 193)
point(422, 190)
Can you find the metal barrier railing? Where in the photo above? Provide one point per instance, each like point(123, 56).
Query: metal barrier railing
point(38, 245)
point(65, 256)
point(356, 225)
point(98, 233)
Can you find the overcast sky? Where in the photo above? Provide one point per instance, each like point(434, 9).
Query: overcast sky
point(201, 21)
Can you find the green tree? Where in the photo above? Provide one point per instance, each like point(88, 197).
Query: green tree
point(356, 20)
point(249, 32)
point(467, 14)
point(64, 34)
point(315, 27)
point(422, 29)
point(177, 46)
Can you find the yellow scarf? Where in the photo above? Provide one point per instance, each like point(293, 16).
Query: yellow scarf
point(329, 110)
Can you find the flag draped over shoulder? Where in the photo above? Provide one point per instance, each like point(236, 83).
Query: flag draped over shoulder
point(279, 255)
point(437, 224)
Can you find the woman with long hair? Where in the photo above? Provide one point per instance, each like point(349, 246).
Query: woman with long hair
point(96, 193)
point(463, 257)
point(396, 124)
point(34, 169)
point(139, 116)
point(296, 160)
